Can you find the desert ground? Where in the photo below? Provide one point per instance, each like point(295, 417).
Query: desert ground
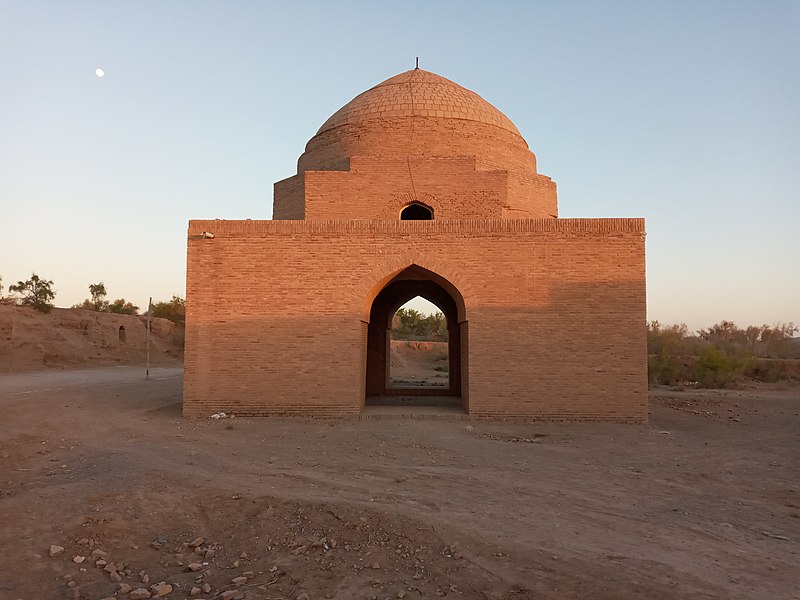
point(418, 364)
point(105, 488)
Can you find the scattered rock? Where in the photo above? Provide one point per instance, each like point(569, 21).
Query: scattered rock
point(302, 596)
point(206, 588)
point(195, 591)
point(237, 581)
point(230, 595)
point(248, 574)
point(124, 588)
point(161, 589)
point(196, 542)
point(56, 550)
point(140, 594)
point(78, 559)
point(194, 567)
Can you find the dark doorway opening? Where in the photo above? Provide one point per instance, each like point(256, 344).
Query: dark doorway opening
point(416, 211)
point(409, 283)
point(123, 336)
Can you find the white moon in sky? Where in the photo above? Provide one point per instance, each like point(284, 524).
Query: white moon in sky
point(99, 72)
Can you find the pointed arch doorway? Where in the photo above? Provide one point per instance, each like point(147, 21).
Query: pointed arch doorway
point(407, 284)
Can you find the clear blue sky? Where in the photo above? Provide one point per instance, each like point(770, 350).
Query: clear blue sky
point(686, 113)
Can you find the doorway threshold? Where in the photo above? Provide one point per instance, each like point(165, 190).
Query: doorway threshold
point(421, 413)
point(414, 399)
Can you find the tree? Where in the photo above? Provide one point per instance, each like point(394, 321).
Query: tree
point(35, 292)
point(121, 307)
point(754, 333)
point(98, 292)
point(778, 339)
point(98, 300)
point(408, 323)
point(174, 310)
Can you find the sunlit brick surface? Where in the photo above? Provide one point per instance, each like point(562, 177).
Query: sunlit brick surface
point(422, 94)
point(551, 314)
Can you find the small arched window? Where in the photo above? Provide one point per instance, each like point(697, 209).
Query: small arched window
point(416, 211)
point(122, 335)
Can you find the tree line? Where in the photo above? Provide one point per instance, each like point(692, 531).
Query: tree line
point(721, 355)
point(410, 324)
point(38, 293)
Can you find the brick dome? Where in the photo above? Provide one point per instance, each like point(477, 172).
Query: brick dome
point(418, 93)
point(416, 138)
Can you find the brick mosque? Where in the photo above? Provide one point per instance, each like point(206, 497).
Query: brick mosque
point(417, 187)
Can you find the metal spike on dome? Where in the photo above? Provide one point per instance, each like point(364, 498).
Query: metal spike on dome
point(417, 67)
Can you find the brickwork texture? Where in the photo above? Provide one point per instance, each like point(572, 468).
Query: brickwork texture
point(551, 311)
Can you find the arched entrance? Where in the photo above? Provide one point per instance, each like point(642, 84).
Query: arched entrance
point(412, 282)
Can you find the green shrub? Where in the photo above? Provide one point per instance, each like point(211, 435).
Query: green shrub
point(716, 368)
point(666, 369)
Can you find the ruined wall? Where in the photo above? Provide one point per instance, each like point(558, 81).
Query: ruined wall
point(555, 313)
point(31, 340)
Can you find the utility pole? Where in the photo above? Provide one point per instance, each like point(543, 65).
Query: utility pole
point(149, 317)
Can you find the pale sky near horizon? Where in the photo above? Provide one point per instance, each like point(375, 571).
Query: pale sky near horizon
point(685, 113)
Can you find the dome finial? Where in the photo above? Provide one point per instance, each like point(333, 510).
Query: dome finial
point(417, 67)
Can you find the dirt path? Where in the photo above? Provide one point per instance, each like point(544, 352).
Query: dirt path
point(705, 503)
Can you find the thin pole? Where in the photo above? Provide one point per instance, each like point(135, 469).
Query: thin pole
point(149, 316)
point(13, 325)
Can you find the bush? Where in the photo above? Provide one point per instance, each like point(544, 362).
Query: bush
point(121, 306)
point(770, 370)
point(665, 369)
point(174, 310)
point(410, 324)
point(716, 368)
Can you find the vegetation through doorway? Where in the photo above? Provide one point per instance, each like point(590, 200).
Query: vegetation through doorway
point(419, 354)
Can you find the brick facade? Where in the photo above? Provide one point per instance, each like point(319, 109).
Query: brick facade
point(550, 312)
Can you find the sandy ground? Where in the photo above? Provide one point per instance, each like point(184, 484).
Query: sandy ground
point(704, 503)
point(418, 364)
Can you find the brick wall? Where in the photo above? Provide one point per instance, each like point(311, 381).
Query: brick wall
point(405, 151)
point(555, 313)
